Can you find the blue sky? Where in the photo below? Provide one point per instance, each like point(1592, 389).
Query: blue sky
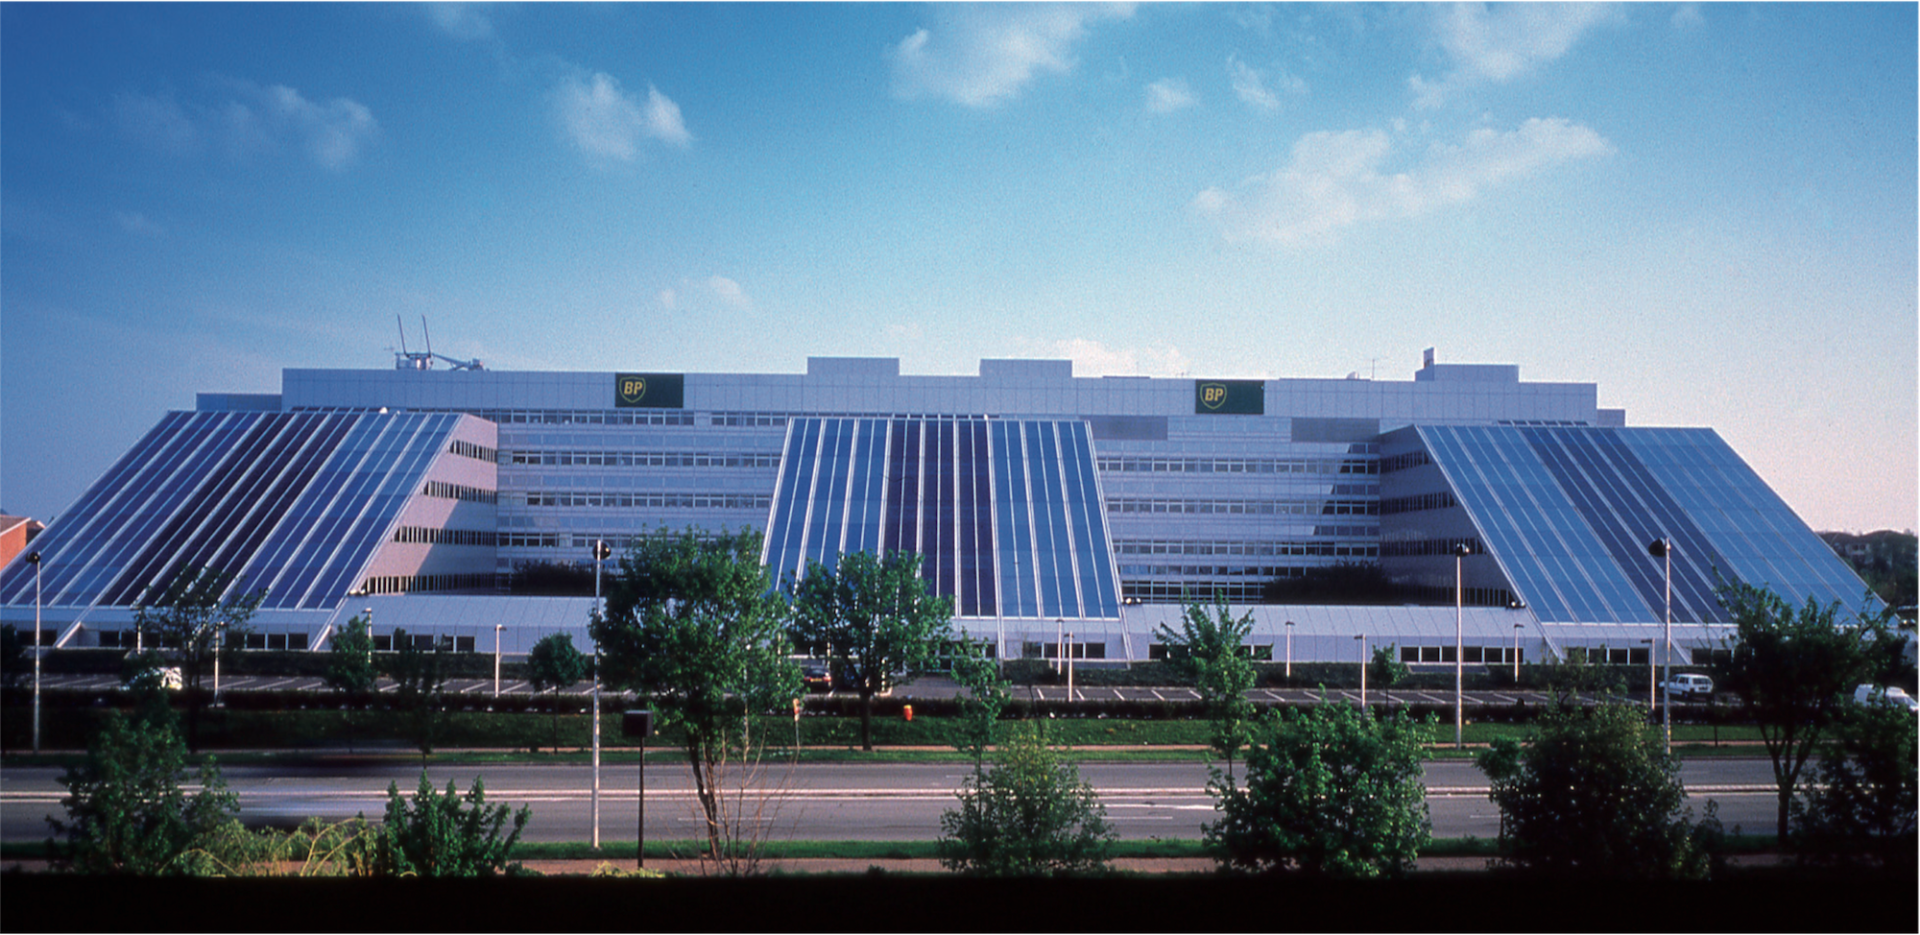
point(1709, 211)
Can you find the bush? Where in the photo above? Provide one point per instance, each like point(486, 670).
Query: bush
point(1330, 791)
point(1595, 794)
point(126, 811)
point(1030, 814)
point(439, 835)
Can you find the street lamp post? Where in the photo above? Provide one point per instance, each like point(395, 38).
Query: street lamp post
point(1289, 652)
point(33, 558)
point(1068, 647)
point(1662, 548)
point(600, 553)
point(1459, 638)
point(1362, 637)
point(496, 658)
point(219, 643)
point(1516, 653)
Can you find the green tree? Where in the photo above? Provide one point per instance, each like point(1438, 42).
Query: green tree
point(439, 835)
point(1210, 648)
point(1572, 676)
point(1331, 791)
point(554, 664)
point(1387, 669)
point(1861, 808)
point(876, 619)
point(987, 695)
point(350, 668)
point(194, 618)
point(420, 683)
point(126, 810)
point(1595, 794)
point(695, 626)
point(1029, 815)
point(1795, 671)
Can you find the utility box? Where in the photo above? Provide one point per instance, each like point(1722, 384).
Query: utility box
point(636, 723)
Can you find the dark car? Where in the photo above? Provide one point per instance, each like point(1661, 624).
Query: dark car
point(814, 676)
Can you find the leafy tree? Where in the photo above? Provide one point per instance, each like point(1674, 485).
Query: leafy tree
point(1210, 647)
point(420, 683)
point(1795, 671)
point(1030, 814)
point(1331, 791)
point(1861, 807)
point(350, 668)
point(875, 616)
point(1387, 669)
point(696, 627)
point(439, 835)
point(185, 618)
point(553, 665)
point(144, 675)
point(1595, 794)
point(987, 695)
point(126, 810)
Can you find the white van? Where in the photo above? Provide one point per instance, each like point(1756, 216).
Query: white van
point(1689, 686)
point(1893, 697)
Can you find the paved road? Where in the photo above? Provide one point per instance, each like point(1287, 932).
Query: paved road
point(822, 801)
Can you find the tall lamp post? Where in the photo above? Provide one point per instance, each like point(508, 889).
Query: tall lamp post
point(1289, 652)
point(219, 643)
point(1362, 637)
point(1662, 548)
point(33, 558)
point(1067, 646)
point(1516, 653)
point(600, 553)
point(496, 658)
point(1460, 553)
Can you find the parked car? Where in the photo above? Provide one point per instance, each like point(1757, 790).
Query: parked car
point(814, 676)
point(1892, 696)
point(1689, 686)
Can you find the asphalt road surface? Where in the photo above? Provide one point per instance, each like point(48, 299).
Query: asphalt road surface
point(814, 801)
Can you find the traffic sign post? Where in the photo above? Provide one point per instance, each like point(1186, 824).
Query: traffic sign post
point(640, 724)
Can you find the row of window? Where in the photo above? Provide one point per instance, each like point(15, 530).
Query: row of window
point(1241, 465)
point(130, 639)
point(1402, 462)
point(1472, 655)
point(1429, 547)
point(1259, 507)
point(1426, 501)
point(429, 535)
point(659, 501)
point(581, 417)
point(471, 450)
point(1158, 592)
point(437, 488)
point(694, 459)
point(1216, 571)
point(1162, 547)
point(408, 584)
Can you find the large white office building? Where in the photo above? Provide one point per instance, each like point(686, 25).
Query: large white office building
point(1044, 503)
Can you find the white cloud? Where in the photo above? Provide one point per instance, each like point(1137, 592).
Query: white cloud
point(1250, 84)
point(605, 123)
point(1168, 95)
point(981, 56)
point(1336, 180)
point(1500, 42)
point(1688, 16)
point(463, 21)
point(728, 291)
point(1094, 359)
point(250, 119)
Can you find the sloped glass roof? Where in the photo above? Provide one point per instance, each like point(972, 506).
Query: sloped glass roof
point(292, 502)
point(1006, 513)
point(1568, 512)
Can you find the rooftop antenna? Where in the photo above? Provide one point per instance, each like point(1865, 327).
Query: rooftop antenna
point(404, 359)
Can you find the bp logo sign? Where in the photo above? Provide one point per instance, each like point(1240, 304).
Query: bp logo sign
point(648, 390)
point(1229, 397)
